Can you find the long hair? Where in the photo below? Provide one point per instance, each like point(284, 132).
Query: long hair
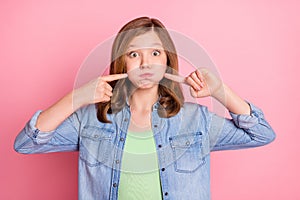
point(170, 92)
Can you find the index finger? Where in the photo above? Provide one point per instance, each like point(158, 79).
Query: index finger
point(113, 77)
point(173, 77)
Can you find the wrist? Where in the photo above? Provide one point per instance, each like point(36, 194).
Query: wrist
point(77, 99)
point(219, 93)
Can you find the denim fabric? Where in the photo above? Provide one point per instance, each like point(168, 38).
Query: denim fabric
point(183, 144)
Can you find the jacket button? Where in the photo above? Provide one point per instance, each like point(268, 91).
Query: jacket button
point(159, 146)
point(115, 185)
point(155, 125)
point(117, 161)
point(121, 139)
point(163, 169)
point(166, 193)
point(36, 132)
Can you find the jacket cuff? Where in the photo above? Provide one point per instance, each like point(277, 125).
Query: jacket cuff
point(34, 133)
point(248, 121)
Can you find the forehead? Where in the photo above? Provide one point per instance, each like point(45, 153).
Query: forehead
point(146, 40)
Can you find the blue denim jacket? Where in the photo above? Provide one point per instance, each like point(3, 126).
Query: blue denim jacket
point(183, 144)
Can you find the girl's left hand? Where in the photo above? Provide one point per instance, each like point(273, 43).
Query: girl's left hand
point(202, 82)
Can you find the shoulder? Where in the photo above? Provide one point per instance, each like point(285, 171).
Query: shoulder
point(86, 114)
point(196, 112)
point(194, 107)
point(86, 110)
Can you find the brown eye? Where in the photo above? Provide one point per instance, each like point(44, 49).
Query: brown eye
point(156, 53)
point(133, 54)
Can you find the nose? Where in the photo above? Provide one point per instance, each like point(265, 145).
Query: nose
point(145, 66)
point(145, 62)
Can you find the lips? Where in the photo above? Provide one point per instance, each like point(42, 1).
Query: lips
point(146, 75)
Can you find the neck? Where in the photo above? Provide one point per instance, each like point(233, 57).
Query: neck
point(143, 99)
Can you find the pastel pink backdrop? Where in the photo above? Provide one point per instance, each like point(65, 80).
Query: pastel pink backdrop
point(254, 44)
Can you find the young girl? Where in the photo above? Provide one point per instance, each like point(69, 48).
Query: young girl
point(136, 137)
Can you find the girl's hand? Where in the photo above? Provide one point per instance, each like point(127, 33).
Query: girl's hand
point(97, 90)
point(202, 82)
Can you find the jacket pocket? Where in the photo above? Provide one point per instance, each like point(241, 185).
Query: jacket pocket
point(187, 152)
point(96, 145)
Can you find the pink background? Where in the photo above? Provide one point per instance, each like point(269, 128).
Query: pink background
point(255, 45)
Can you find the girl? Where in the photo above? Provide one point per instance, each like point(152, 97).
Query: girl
point(136, 137)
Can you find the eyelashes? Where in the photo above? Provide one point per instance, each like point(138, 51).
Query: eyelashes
point(135, 54)
point(156, 53)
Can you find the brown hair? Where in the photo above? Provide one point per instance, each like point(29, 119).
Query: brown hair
point(170, 92)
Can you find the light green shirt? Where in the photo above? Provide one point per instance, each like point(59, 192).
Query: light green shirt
point(139, 170)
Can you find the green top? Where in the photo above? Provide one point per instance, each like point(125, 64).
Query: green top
point(139, 171)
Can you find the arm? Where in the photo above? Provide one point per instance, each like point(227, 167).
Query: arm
point(242, 131)
point(52, 117)
point(97, 90)
point(57, 128)
point(63, 138)
point(231, 100)
point(203, 83)
point(247, 128)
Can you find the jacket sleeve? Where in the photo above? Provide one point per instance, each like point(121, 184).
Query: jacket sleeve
point(64, 138)
point(242, 131)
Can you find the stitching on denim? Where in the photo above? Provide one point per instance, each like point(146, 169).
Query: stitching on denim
point(24, 143)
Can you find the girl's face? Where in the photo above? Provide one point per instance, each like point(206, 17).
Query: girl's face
point(146, 60)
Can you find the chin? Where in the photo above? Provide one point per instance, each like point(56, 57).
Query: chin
point(146, 85)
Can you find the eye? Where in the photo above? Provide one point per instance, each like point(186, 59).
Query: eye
point(133, 54)
point(156, 53)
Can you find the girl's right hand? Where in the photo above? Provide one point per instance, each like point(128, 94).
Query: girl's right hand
point(97, 90)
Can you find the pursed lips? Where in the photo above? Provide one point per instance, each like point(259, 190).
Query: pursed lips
point(146, 75)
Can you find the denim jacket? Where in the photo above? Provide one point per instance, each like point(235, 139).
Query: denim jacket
point(183, 146)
